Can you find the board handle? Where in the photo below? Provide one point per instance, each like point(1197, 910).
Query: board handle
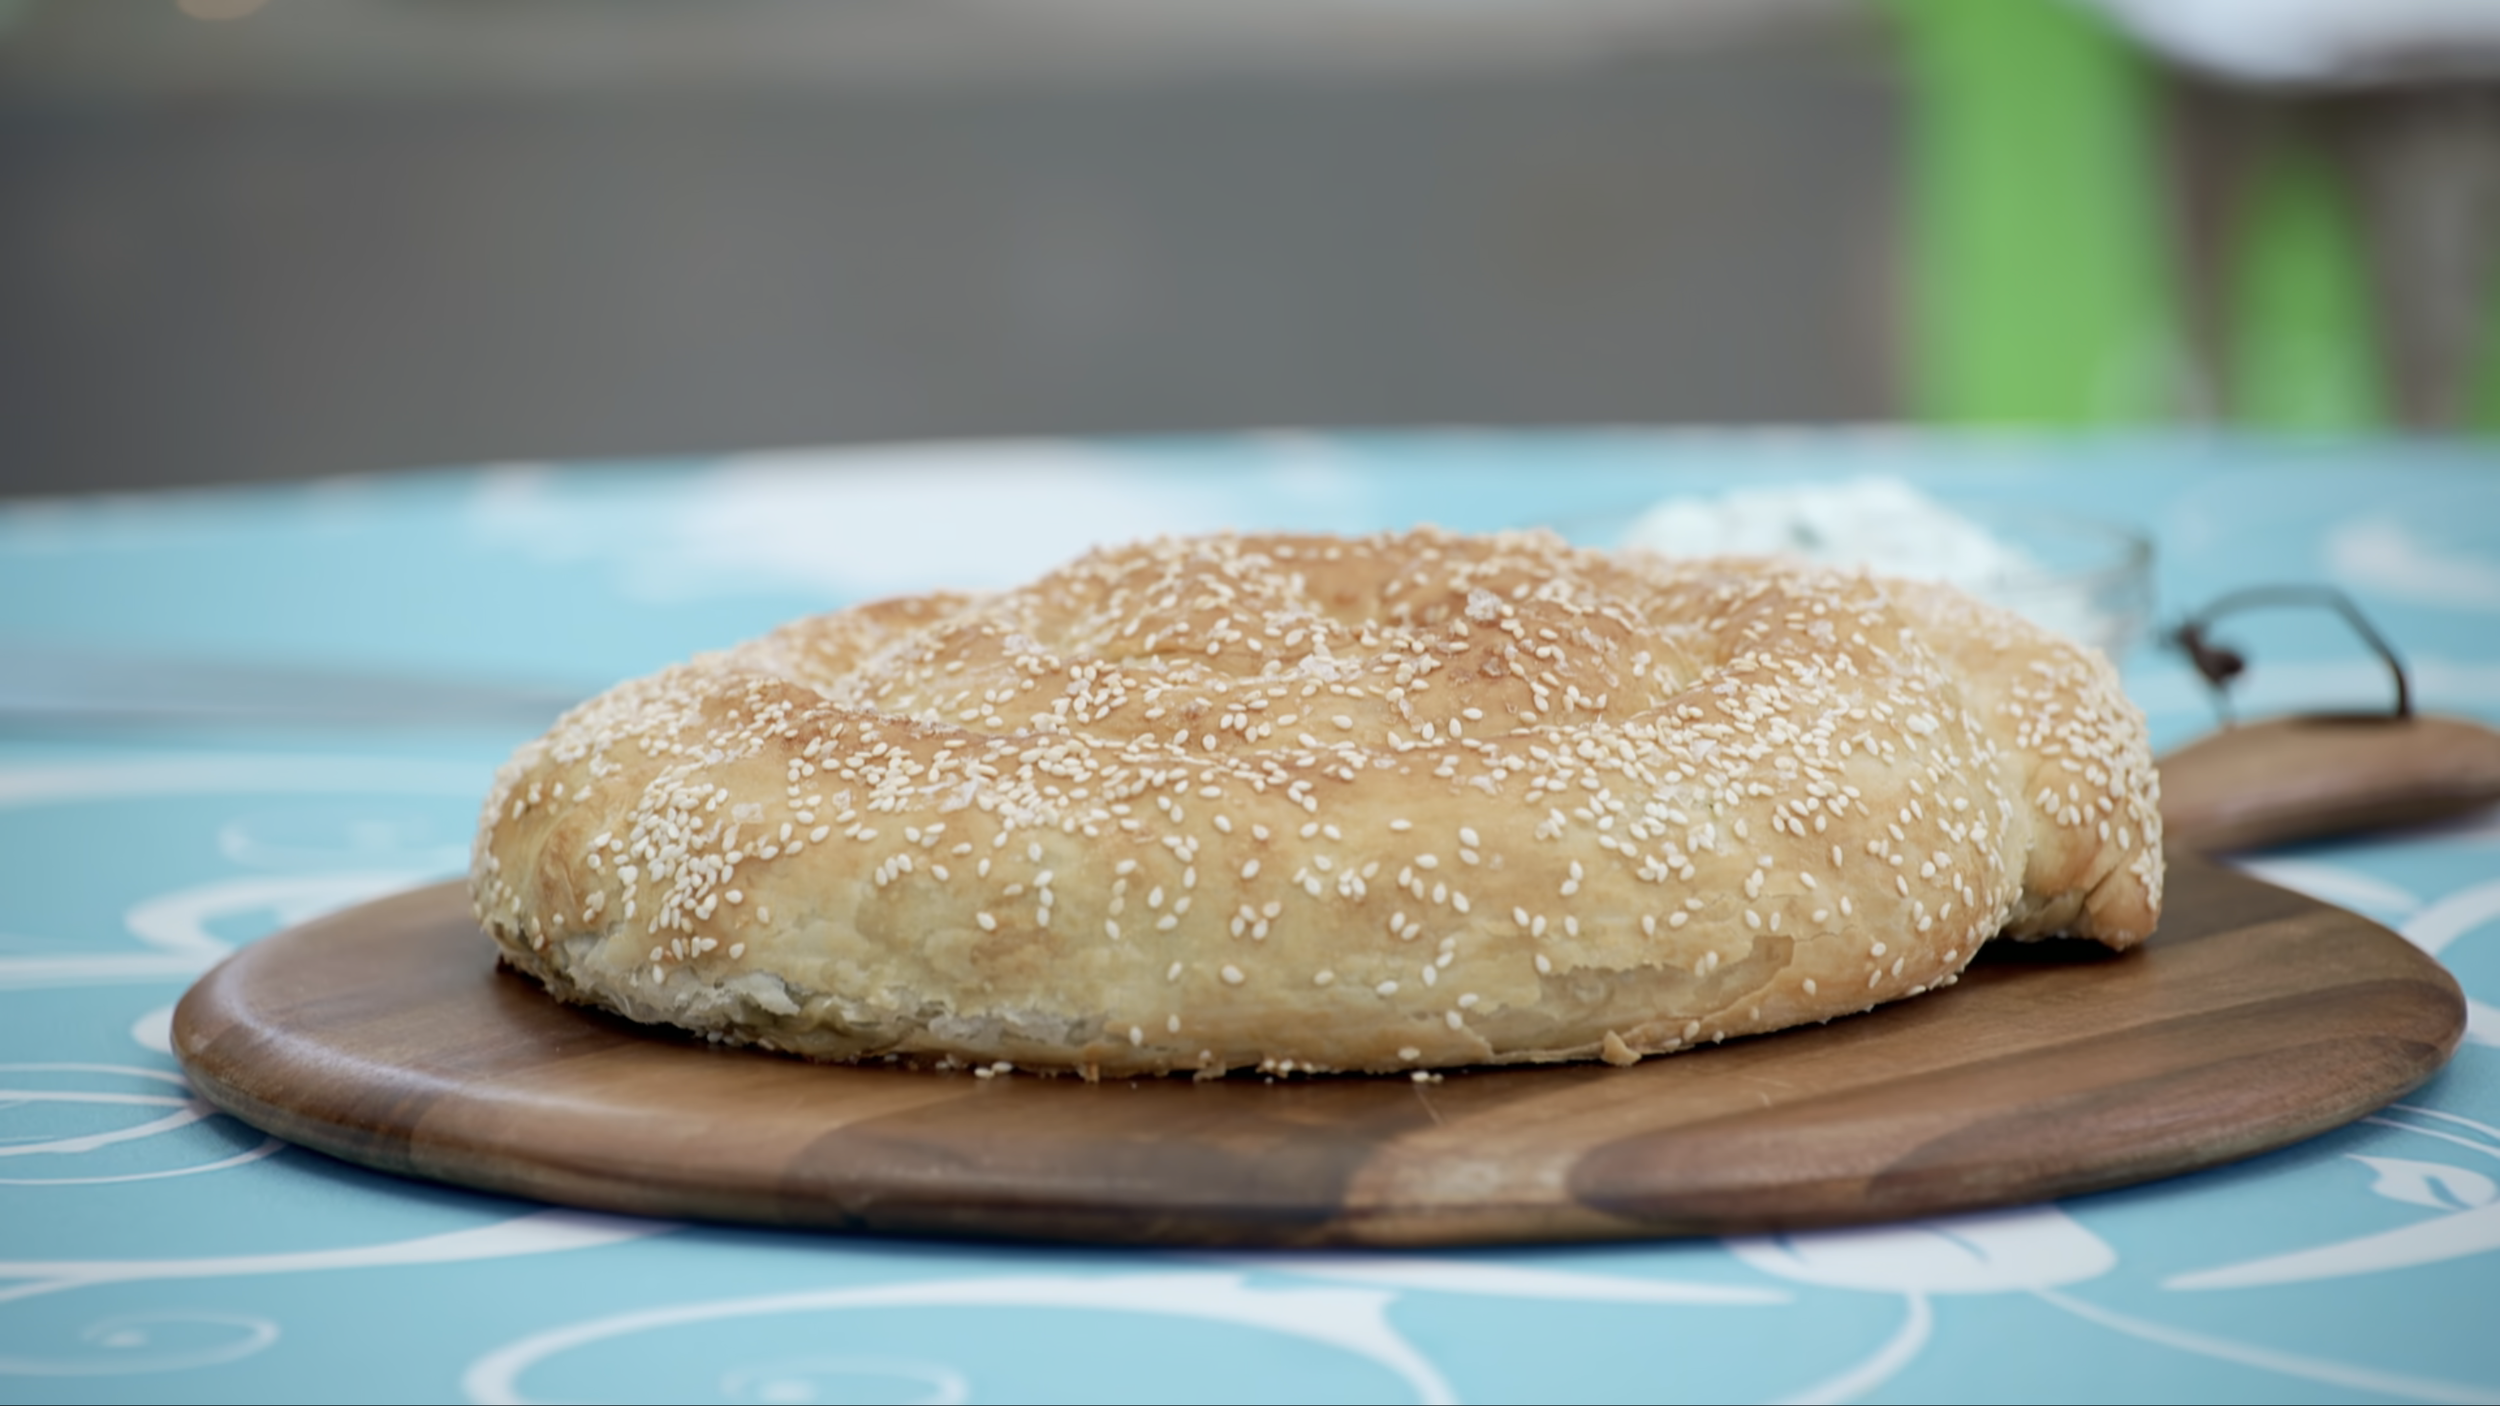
point(2311, 776)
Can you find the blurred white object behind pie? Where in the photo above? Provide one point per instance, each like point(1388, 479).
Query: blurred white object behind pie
point(2086, 579)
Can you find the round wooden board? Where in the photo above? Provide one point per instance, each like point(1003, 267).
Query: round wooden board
point(385, 1035)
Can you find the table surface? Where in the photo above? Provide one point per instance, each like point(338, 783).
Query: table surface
point(149, 1248)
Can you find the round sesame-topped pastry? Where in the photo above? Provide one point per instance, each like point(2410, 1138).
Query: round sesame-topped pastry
point(1310, 803)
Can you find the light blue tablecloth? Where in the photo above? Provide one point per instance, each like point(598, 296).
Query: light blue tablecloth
point(150, 1250)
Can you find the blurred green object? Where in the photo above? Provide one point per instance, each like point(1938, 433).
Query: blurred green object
point(2301, 349)
point(2049, 279)
point(2041, 290)
point(2482, 403)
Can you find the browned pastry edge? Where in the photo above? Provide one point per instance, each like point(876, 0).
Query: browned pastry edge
point(1306, 803)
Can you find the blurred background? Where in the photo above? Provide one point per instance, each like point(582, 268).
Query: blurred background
point(261, 239)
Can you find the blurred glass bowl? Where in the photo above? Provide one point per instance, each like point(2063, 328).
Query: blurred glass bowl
point(2088, 579)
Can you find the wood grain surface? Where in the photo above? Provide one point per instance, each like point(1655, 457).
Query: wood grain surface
point(2301, 778)
point(385, 1035)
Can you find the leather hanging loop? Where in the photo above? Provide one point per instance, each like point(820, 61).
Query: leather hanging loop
point(2221, 664)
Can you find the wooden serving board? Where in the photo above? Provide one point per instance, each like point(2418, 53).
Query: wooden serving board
point(385, 1035)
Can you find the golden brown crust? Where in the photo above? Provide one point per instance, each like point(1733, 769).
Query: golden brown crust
point(1298, 802)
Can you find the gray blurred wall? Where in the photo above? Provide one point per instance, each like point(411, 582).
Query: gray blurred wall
point(380, 233)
